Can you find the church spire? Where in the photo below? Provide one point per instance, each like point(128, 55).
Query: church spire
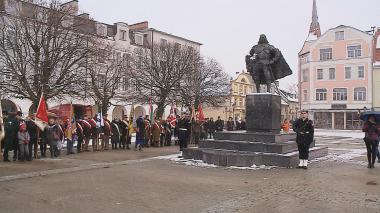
point(315, 29)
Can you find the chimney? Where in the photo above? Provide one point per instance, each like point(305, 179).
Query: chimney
point(71, 6)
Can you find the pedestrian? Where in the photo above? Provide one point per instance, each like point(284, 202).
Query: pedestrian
point(305, 135)
point(197, 131)
point(243, 125)
point(15, 142)
point(211, 127)
point(219, 124)
point(285, 126)
point(54, 135)
point(147, 138)
point(86, 133)
point(11, 127)
point(184, 127)
point(94, 133)
point(107, 130)
point(124, 133)
point(156, 133)
point(230, 124)
point(140, 133)
point(80, 136)
point(115, 137)
point(23, 141)
point(371, 139)
point(33, 132)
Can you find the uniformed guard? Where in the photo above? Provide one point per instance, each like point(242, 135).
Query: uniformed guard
point(305, 135)
point(11, 125)
point(184, 127)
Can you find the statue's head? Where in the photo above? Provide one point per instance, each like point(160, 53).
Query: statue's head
point(263, 39)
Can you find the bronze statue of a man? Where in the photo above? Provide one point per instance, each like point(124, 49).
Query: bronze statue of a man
point(266, 64)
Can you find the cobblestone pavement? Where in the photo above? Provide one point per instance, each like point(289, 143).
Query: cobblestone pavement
point(142, 183)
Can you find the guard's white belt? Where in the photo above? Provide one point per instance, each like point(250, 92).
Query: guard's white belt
point(182, 129)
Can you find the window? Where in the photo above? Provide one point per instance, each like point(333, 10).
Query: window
point(305, 75)
point(164, 42)
point(354, 51)
point(321, 94)
point(240, 102)
point(347, 72)
point(236, 90)
point(360, 94)
point(118, 57)
point(339, 35)
point(326, 54)
point(138, 39)
point(305, 95)
point(177, 46)
point(332, 73)
point(360, 71)
point(340, 94)
point(123, 35)
point(319, 74)
point(304, 59)
point(126, 61)
point(101, 81)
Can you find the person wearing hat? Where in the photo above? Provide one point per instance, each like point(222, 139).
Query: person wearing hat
point(107, 131)
point(305, 136)
point(124, 143)
point(32, 130)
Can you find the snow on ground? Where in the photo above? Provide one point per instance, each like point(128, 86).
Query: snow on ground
point(348, 156)
point(177, 158)
point(339, 133)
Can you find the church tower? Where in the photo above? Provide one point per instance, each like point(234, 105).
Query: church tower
point(315, 29)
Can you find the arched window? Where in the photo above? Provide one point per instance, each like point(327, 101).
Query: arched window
point(243, 80)
point(360, 94)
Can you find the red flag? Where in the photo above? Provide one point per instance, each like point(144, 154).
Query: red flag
point(42, 110)
point(201, 116)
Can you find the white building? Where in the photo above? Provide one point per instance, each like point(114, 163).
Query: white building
point(123, 37)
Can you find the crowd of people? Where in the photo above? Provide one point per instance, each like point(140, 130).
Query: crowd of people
point(26, 139)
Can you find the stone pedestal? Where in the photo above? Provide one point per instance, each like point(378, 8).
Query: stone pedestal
point(263, 112)
point(261, 144)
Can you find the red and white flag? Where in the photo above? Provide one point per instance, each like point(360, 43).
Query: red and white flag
point(41, 118)
point(201, 116)
point(172, 118)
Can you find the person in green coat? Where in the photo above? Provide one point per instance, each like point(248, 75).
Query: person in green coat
point(11, 127)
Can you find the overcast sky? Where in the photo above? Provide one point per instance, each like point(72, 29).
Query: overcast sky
point(228, 28)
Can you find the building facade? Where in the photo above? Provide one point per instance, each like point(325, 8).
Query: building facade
point(335, 75)
point(124, 38)
point(235, 106)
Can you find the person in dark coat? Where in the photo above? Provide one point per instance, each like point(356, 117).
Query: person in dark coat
point(184, 127)
point(305, 135)
point(124, 133)
point(11, 127)
point(80, 136)
point(243, 125)
point(230, 124)
point(140, 133)
point(219, 124)
point(371, 139)
point(116, 133)
point(211, 127)
point(32, 129)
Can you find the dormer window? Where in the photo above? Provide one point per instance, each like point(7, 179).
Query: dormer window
point(123, 35)
point(339, 35)
point(138, 39)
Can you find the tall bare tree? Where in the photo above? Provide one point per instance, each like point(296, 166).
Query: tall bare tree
point(107, 74)
point(208, 84)
point(159, 72)
point(43, 49)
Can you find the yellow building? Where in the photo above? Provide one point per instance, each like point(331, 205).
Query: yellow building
point(242, 85)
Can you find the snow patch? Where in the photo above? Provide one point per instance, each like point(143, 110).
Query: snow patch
point(339, 133)
point(177, 158)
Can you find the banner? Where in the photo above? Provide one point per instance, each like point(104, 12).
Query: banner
point(41, 118)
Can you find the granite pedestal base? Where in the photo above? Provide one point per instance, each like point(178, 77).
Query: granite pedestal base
point(261, 144)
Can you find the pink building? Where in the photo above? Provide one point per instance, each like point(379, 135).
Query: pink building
point(335, 75)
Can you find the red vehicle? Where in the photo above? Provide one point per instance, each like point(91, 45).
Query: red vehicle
point(63, 111)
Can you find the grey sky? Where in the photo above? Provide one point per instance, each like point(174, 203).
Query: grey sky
point(228, 28)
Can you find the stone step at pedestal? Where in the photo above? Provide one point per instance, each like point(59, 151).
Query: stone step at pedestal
point(246, 146)
point(265, 137)
point(221, 157)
